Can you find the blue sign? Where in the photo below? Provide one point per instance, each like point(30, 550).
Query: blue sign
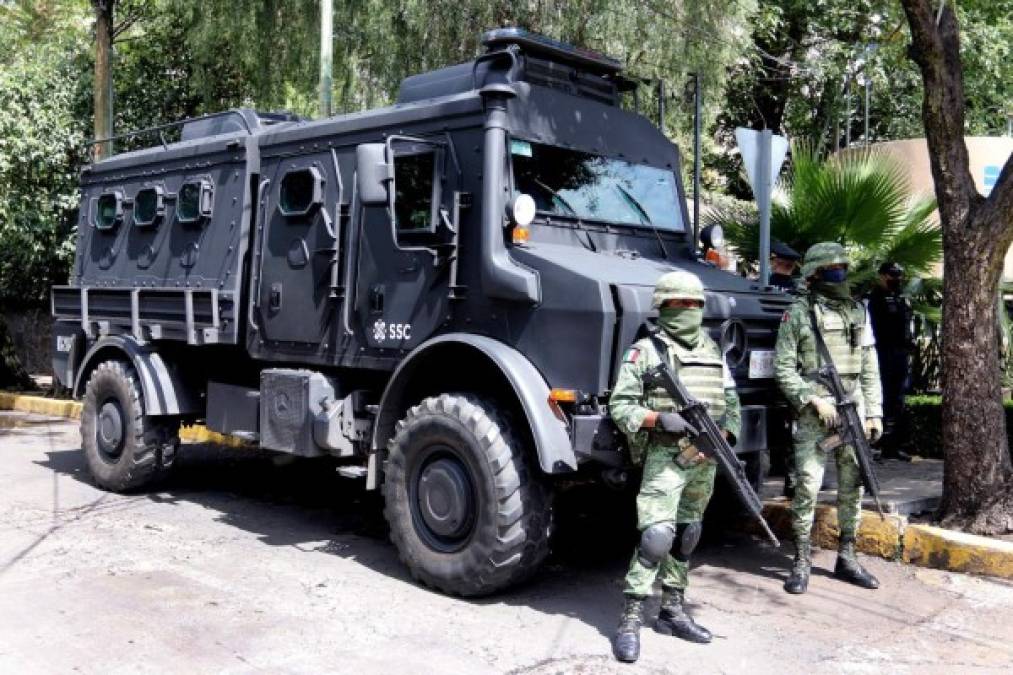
point(991, 178)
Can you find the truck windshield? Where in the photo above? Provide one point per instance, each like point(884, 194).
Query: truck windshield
point(576, 184)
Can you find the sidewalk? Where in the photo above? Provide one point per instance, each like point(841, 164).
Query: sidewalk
point(908, 489)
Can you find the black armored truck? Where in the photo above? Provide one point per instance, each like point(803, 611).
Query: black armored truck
point(437, 294)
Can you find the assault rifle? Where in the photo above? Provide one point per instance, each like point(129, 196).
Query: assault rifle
point(710, 441)
point(849, 429)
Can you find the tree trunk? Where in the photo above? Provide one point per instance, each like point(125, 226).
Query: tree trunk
point(977, 479)
point(977, 464)
point(103, 95)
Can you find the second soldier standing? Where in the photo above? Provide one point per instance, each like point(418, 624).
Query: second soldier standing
point(844, 326)
point(677, 480)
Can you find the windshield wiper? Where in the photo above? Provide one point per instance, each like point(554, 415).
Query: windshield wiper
point(632, 201)
point(555, 195)
point(642, 214)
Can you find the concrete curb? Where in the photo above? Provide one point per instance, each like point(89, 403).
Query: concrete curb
point(892, 538)
point(929, 546)
point(41, 405)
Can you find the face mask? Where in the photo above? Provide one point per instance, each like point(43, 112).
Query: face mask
point(834, 291)
point(834, 276)
point(778, 279)
point(681, 324)
point(893, 284)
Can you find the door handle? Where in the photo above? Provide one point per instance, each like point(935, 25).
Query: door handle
point(274, 301)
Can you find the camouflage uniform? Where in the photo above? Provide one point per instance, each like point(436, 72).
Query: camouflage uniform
point(843, 322)
point(668, 492)
point(673, 494)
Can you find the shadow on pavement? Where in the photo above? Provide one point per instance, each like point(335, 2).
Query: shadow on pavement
point(304, 503)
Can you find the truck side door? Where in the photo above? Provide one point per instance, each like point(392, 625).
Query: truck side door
point(401, 290)
point(296, 308)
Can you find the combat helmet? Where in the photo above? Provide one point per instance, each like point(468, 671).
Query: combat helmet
point(677, 285)
point(823, 254)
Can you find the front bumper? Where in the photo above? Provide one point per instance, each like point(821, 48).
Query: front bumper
point(597, 439)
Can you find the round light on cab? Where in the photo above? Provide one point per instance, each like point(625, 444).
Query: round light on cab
point(522, 210)
point(713, 236)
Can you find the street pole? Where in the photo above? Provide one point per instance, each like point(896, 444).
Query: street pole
point(661, 105)
point(697, 105)
point(847, 111)
point(326, 55)
point(868, 87)
point(870, 51)
point(763, 204)
point(103, 87)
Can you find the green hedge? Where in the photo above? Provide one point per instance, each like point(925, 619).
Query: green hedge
point(926, 424)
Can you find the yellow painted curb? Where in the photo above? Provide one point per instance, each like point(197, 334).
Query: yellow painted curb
point(879, 537)
point(201, 434)
point(41, 405)
point(876, 536)
point(929, 546)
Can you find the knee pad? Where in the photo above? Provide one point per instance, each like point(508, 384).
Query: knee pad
point(655, 543)
point(687, 536)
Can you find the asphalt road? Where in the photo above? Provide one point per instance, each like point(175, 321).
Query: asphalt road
point(247, 562)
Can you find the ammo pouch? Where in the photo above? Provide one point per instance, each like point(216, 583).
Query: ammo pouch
point(658, 437)
point(684, 453)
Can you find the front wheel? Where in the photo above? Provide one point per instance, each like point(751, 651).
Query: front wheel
point(465, 513)
point(125, 449)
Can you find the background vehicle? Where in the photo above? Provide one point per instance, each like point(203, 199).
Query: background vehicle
point(377, 287)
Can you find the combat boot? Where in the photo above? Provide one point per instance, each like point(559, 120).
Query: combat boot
point(673, 620)
point(626, 644)
point(798, 580)
point(848, 568)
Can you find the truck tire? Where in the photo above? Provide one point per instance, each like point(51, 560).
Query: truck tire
point(466, 514)
point(125, 449)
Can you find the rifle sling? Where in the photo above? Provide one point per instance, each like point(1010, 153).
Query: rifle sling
point(660, 347)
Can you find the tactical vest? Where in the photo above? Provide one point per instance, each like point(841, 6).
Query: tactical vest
point(842, 331)
point(701, 371)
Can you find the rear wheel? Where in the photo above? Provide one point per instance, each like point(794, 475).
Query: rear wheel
point(124, 448)
point(465, 513)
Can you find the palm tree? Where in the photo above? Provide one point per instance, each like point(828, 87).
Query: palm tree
point(859, 198)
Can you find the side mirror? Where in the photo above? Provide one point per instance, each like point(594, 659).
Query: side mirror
point(373, 173)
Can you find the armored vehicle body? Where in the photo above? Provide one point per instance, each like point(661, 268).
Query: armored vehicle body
point(437, 293)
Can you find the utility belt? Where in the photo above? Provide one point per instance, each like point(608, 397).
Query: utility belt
point(850, 383)
point(658, 437)
point(685, 455)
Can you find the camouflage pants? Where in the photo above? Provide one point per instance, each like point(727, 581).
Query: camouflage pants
point(808, 476)
point(671, 494)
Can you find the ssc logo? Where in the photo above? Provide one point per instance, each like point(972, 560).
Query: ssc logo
point(391, 331)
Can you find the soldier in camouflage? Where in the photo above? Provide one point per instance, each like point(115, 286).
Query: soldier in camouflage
point(677, 479)
point(844, 325)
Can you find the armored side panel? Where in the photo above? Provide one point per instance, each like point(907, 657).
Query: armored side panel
point(162, 238)
point(334, 282)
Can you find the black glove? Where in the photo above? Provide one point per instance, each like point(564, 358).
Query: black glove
point(676, 424)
